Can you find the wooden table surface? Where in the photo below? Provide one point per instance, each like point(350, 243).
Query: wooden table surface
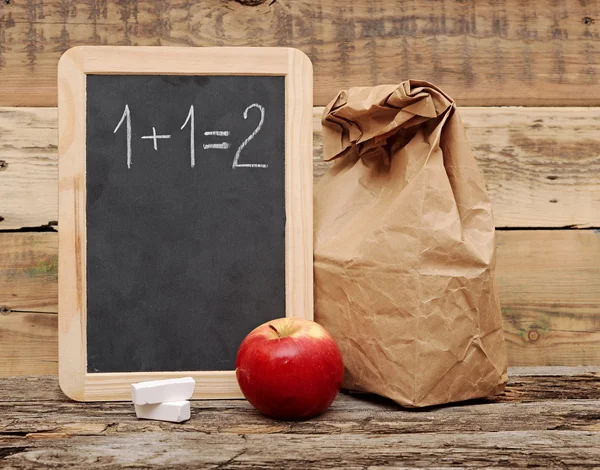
point(548, 417)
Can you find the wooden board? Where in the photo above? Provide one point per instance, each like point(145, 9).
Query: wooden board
point(540, 164)
point(550, 294)
point(549, 283)
point(29, 272)
point(28, 343)
point(154, 448)
point(544, 421)
point(28, 287)
point(493, 53)
point(28, 167)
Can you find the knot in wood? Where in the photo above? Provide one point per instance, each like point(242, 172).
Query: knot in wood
point(4, 310)
point(588, 21)
point(3, 165)
point(533, 335)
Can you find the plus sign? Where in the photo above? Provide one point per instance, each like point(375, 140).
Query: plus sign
point(155, 137)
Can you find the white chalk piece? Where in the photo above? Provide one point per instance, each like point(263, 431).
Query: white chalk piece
point(175, 411)
point(161, 391)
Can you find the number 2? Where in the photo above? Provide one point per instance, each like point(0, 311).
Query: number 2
point(236, 158)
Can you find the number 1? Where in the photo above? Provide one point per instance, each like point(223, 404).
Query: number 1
point(126, 114)
point(190, 119)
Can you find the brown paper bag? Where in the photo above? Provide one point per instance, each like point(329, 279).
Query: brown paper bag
point(404, 249)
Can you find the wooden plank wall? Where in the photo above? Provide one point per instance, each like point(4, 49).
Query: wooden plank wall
point(504, 52)
point(542, 163)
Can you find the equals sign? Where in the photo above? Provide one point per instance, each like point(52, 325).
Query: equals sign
point(222, 145)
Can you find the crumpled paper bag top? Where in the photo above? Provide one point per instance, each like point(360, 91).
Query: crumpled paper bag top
point(405, 249)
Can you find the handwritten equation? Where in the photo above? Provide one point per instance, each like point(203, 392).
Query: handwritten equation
point(189, 123)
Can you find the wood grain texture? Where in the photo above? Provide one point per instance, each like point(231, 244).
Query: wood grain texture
point(169, 449)
point(549, 285)
point(29, 167)
point(116, 386)
point(72, 244)
point(540, 164)
point(482, 53)
point(29, 272)
point(544, 421)
point(28, 343)
point(28, 286)
point(298, 186)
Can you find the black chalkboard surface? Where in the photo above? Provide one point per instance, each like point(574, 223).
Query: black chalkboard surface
point(185, 249)
point(185, 205)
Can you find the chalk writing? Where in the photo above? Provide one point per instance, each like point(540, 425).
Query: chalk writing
point(190, 122)
point(190, 118)
point(155, 137)
point(126, 115)
point(249, 138)
point(221, 146)
point(219, 133)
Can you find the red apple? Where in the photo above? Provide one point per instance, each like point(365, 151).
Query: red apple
point(289, 368)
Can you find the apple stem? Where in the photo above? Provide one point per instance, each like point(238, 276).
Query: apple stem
point(275, 330)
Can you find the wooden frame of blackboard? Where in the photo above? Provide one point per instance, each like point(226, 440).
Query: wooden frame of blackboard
point(74, 65)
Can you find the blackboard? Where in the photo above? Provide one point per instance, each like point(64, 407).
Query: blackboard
point(185, 249)
point(185, 206)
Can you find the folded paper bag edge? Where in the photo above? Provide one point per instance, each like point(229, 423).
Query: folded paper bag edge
point(413, 97)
